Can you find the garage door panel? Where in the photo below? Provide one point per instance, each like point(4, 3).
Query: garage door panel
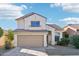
point(30, 40)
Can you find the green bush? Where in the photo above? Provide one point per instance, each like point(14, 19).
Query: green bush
point(65, 35)
point(63, 42)
point(1, 32)
point(9, 39)
point(10, 35)
point(75, 41)
point(7, 45)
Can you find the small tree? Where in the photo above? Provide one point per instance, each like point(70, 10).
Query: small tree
point(10, 35)
point(9, 39)
point(63, 42)
point(75, 41)
point(1, 32)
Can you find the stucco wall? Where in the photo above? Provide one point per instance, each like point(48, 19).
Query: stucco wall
point(52, 34)
point(26, 23)
point(70, 32)
point(20, 24)
point(30, 33)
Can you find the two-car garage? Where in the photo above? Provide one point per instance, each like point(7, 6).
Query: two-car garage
point(30, 39)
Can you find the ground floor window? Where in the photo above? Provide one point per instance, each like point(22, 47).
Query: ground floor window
point(57, 38)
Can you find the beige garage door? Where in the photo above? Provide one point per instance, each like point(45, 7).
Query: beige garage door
point(30, 40)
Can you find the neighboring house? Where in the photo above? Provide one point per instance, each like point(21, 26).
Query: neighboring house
point(32, 31)
point(72, 29)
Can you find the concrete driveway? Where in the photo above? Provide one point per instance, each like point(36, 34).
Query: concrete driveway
point(50, 50)
point(26, 52)
point(60, 50)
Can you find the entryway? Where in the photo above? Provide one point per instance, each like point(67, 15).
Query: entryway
point(49, 38)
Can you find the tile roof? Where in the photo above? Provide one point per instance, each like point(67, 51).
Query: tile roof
point(55, 26)
point(27, 15)
point(76, 26)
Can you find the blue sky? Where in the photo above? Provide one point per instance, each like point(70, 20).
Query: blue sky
point(57, 13)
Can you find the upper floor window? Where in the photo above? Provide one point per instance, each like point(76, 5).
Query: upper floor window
point(35, 23)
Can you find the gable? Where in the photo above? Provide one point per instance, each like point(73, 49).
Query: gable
point(69, 27)
point(56, 27)
point(69, 30)
point(50, 28)
point(29, 15)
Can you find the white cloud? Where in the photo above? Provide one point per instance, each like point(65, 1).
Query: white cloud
point(70, 7)
point(24, 6)
point(51, 5)
point(71, 20)
point(54, 4)
point(10, 11)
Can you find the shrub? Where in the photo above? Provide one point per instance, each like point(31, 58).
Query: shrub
point(9, 40)
point(65, 35)
point(75, 41)
point(10, 35)
point(63, 42)
point(1, 32)
point(7, 45)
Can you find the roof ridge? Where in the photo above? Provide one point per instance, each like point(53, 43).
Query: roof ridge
point(55, 26)
point(29, 14)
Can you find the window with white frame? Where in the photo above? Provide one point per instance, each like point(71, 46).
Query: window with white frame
point(57, 36)
point(35, 23)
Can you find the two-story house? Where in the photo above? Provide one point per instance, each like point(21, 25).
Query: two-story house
point(32, 31)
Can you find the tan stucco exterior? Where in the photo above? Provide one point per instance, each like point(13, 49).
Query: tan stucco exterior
point(30, 33)
point(26, 23)
point(51, 37)
point(21, 24)
point(40, 37)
